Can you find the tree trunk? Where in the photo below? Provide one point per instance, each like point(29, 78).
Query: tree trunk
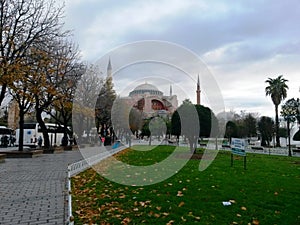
point(21, 130)
point(193, 144)
point(43, 128)
point(289, 136)
point(277, 127)
point(2, 93)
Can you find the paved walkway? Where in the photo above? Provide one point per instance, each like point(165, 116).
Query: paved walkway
point(32, 190)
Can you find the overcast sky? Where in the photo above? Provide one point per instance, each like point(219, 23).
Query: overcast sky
point(242, 43)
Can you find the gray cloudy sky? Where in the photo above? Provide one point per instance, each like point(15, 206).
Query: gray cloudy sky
point(242, 43)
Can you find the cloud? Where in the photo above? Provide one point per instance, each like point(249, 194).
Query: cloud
point(242, 42)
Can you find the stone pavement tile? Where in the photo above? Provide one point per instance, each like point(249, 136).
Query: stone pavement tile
point(32, 190)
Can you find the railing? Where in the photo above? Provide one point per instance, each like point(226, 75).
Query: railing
point(79, 167)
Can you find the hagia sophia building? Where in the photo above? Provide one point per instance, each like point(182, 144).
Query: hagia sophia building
point(152, 102)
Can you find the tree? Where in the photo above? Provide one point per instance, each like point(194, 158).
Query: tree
point(50, 69)
point(250, 125)
point(209, 126)
point(266, 129)
point(145, 130)
point(3, 116)
point(290, 110)
point(23, 24)
point(277, 89)
point(104, 103)
point(290, 113)
point(231, 130)
point(20, 91)
point(136, 121)
point(194, 121)
point(87, 90)
point(71, 70)
point(245, 124)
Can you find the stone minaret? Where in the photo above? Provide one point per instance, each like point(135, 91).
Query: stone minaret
point(198, 91)
point(109, 69)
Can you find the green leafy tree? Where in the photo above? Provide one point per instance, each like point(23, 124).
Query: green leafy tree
point(136, 121)
point(250, 123)
point(277, 89)
point(290, 113)
point(120, 117)
point(194, 121)
point(145, 130)
point(104, 103)
point(266, 129)
point(231, 130)
point(290, 110)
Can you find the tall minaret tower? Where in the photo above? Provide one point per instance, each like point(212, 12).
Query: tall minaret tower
point(171, 90)
point(198, 91)
point(109, 69)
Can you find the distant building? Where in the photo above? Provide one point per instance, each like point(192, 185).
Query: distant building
point(148, 99)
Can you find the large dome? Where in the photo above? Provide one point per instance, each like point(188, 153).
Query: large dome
point(146, 88)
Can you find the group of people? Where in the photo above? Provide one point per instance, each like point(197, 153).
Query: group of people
point(7, 141)
point(106, 135)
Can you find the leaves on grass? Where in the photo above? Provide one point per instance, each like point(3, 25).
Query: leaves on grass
point(170, 222)
point(97, 200)
point(181, 204)
point(179, 194)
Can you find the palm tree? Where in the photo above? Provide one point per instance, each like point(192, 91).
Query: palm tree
point(277, 89)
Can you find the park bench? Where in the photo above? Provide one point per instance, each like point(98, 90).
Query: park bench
point(171, 141)
point(296, 150)
point(226, 146)
point(255, 148)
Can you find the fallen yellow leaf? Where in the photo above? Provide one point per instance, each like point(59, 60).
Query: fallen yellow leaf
point(181, 204)
point(179, 194)
point(243, 208)
point(170, 222)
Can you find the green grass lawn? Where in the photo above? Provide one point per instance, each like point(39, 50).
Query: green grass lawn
point(268, 192)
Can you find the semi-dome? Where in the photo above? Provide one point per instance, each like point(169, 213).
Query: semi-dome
point(146, 88)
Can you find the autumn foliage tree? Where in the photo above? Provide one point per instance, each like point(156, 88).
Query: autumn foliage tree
point(62, 76)
point(23, 24)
